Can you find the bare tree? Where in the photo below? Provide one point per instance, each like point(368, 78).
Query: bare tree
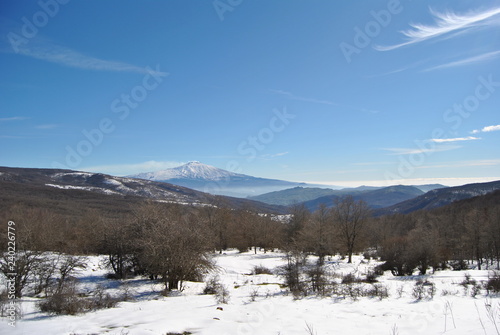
point(21, 270)
point(174, 244)
point(299, 218)
point(317, 235)
point(217, 217)
point(476, 234)
point(119, 240)
point(350, 217)
point(67, 266)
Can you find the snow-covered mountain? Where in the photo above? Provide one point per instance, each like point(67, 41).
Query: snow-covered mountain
point(207, 178)
point(191, 170)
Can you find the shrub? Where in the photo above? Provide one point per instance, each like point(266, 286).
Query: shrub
point(458, 265)
point(126, 292)
point(475, 290)
point(371, 277)
point(378, 291)
point(222, 295)
point(101, 299)
point(353, 291)
point(349, 279)
point(423, 289)
point(446, 292)
point(215, 287)
point(254, 293)
point(379, 270)
point(212, 285)
point(468, 280)
point(65, 300)
point(261, 270)
point(400, 290)
point(493, 283)
point(293, 272)
point(317, 276)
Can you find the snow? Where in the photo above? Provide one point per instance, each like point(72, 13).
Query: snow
point(113, 182)
point(273, 311)
point(82, 174)
point(191, 170)
point(84, 188)
point(69, 187)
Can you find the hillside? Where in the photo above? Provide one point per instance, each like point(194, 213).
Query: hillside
point(294, 195)
point(73, 192)
point(440, 197)
point(377, 198)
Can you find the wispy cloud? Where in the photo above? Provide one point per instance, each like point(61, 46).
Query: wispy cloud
point(486, 129)
point(410, 151)
point(128, 169)
point(445, 23)
point(50, 52)
point(471, 60)
point(292, 96)
point(279, 154)
point(14, 118)
point(456, 139)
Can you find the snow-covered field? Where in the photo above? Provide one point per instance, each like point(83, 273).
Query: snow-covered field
point(272, 310)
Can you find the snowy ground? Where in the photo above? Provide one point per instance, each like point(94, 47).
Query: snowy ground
point(273, 311)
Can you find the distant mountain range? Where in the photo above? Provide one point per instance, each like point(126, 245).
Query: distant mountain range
point(210, 179)
point(384, 200)
point(440, 197)
point(375, 197)
point(75, 192)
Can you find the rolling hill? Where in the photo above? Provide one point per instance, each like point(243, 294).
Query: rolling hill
point(377, 198)
point(73, 192)
point(440, 197)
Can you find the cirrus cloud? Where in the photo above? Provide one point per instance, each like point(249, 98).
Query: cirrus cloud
point(444, 24)
point(456, 139)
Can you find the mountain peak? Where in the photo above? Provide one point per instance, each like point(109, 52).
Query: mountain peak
point(207, 178)
point(190, 170)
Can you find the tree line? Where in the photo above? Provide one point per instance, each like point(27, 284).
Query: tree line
point(174, 243)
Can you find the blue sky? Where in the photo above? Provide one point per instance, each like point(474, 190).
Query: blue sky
point(339, 92)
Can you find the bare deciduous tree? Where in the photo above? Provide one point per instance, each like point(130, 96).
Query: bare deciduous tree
point(174, 244)
point(350, 217)
point(317, 234)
